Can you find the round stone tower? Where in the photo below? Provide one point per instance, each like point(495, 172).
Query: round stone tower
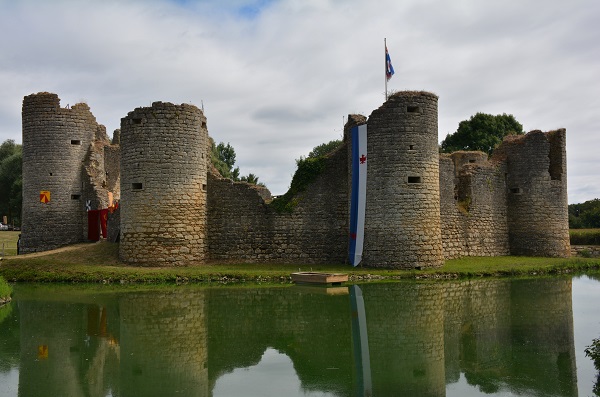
point(402, 221)
point(163, 185)
point(538, 216)
point(55, 143)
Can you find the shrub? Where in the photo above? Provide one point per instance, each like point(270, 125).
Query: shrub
point(585, 236)
point(308, 170)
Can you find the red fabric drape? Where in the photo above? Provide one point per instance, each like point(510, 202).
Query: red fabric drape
point(93, 223)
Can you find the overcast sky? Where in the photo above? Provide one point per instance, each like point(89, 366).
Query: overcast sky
point(277, 78)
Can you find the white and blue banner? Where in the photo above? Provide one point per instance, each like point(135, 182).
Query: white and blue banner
point(359, 193)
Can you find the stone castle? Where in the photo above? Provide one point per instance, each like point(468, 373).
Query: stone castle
point(175, 209)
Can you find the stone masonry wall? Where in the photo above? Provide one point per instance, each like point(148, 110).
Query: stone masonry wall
point(55, 143)
point(163, 185)
point(473, 205)
point(537, 204)
point(422, 207)
point(241, 226)
point(402, 221)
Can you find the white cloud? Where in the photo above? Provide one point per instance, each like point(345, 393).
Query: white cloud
point(276, 77)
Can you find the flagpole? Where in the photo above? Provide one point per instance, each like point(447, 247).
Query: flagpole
point(385, 65)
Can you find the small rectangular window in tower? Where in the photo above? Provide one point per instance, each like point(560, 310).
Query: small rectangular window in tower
point(75, 196)
point(471, 161)
point(516, 190)
point(137, 186)
point(411, 147)
point(414, 179)
point(204, 186)
point(137, 121)
point(75, 142)
point(412, 109)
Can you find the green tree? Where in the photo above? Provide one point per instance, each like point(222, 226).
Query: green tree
point(585, 215)
point(223, 158)
point(11, 159)
point(324, 148)
point(481, 132)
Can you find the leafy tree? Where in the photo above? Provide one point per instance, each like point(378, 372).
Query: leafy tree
point(223, 158)
point(324, 148)
point(585, 215)
point(481, 132)
point(11, 159)
point(593, 352)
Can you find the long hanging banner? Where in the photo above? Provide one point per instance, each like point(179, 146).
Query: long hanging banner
point(359, 193)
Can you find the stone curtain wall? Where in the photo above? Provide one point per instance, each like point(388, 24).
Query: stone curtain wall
point(537, 204)
point(55, 143)
point(241, 226)
point(402, 224)
point(163, 185)
point(422, 207)
point(473, 205)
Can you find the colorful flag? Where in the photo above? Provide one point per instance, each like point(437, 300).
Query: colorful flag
point(359, 193)
point(389, 69)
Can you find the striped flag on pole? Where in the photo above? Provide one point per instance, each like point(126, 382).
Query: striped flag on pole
point(389, 69)
point(359, 193)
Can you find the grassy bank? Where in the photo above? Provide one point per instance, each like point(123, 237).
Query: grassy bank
point(8, 243)
point(5, 291)
point(99, 262)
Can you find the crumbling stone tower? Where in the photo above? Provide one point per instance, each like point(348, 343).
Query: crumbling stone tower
point(402, 221)
point(537, 205)
point(56, 142)
point(163, 185)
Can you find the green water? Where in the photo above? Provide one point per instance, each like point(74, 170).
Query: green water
point(466, 338)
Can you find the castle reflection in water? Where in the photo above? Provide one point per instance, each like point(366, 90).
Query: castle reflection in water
point(501, 334)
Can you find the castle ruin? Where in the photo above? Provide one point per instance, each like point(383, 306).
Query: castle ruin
point(175, 209)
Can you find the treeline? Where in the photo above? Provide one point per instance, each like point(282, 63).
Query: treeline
point(585, 215)
point(11, 182)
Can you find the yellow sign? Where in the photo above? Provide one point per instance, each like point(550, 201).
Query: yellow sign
point(45, 196)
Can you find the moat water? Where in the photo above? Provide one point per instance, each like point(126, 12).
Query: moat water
point(499, 337)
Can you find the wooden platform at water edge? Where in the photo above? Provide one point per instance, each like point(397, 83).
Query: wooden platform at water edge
point(319, 278)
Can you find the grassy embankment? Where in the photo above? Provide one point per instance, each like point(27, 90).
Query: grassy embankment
point(99, 262)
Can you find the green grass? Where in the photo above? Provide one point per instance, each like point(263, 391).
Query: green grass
point(5, 290)
point(99, 262)
point(8, 240)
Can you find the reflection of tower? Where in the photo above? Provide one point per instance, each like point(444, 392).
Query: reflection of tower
point(477, 331)
point(402, 222)
point(406, 338)
point(543, 341)
point(164, 344)
point(163, 184)
point(51, 358)
point(55, 143)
